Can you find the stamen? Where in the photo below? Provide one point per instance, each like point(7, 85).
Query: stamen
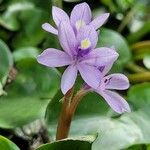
point(85, 44)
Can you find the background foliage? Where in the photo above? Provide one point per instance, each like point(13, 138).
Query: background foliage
point(30, 98)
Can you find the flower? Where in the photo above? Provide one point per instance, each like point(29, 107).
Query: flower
point(79, 55)
point(80, 16)
point(111, 82)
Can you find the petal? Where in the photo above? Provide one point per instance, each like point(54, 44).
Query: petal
point(115, 101)
point(54, 58)
point(101, 57)
point(109, 64)
point(81, 12)
point(88, 32)
point(99, 21)
point(67, 37)
point(68, 78)
point(91, 75)
point(59, 15)
point(106, 68)
point(117, 81)
point(47, 27)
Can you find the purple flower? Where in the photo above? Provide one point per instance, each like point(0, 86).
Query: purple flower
point(80, 16)
point(111, 82)
point(79, 55)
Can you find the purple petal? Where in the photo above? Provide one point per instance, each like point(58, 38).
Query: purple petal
point(101, 57)
point(59, 15)
point(68, 78)
point(89, 33)
point(115, 101)
point(109, 64)
point(91, 75)
point(107, 68)
point(99, 21)
point(67, 37)
point(47, 27)
point(81, 12)
point(116, 81)
point(54, 58)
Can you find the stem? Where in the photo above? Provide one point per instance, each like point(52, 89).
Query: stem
point(126, 20)
point(68, 109)
point(135, 68)
point(139, 77)
point(76, 100)
point(141, 45)
point(64, 118)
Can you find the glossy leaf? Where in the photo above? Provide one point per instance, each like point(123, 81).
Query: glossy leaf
point(139, 95)
point(67, 144)
point(9, 18)
point(27, 97)
point(32, 31)
point(6, 144)
point(124, 132)
point(25, 53)
point(6, 62)
point(129, 129)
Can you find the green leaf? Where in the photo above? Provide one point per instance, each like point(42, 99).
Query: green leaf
point(139, 95)
point(139, 147)
point(131, 128)
point(109, 38)
point(126, 131)
point(115, 133)
point(31, 33)
point(6, 144)
point(16, 111)
point(67, 144)
point(27, 97)
point(25, 52)
point(9, 19)
point(6, 62)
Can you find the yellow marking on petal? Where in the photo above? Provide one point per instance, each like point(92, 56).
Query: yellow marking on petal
point(79, 24)
point(85, 44)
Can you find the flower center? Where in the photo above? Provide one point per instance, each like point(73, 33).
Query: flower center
point(80, 24)
point(85, 44)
